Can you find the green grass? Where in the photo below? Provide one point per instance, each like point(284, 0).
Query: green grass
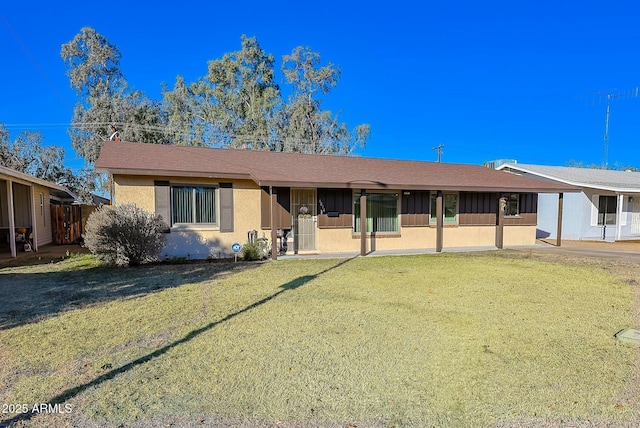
point(442, 340)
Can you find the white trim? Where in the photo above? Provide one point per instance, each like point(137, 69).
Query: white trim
point(12, 220)
point(620, 198)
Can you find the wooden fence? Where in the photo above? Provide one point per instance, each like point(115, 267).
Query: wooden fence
point(67, 223)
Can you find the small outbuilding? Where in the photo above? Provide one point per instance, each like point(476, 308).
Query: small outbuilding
point(26, 220)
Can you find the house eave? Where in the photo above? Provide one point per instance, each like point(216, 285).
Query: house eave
point(581, 185)
point(174, 173)
point(368, 185)
point(29, 180)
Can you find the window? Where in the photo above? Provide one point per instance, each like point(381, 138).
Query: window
point(44, 219)
point(450, 207)
point(606, 210)
point(513, 205)
point(382, 212)
point(193, 204)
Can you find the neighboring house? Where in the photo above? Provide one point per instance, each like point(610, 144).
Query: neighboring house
point(607, 208)
point(211, 198)
point(25, 210)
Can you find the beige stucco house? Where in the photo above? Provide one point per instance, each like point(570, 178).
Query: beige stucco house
point(212, 198)
point(25, 210)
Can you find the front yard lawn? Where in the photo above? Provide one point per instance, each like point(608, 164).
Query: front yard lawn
point(431, 340)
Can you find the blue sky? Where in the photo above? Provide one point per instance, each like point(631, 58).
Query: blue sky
point(488, 80)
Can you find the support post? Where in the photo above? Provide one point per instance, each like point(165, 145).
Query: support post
point(559, 232)
point(502, 206)
point(34, 222)
point(619, 216)
point(363, 222)
point(12, 220)
point(274, 231)
point(439, 221)
point(110, 189)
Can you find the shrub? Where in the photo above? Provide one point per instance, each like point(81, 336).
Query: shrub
point(256, 250)
point(124, 235)
point(250, 251)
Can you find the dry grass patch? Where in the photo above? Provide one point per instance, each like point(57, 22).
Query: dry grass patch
point(445, 340)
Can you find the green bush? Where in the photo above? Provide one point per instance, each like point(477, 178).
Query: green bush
point(250, 251)
point(124, 235)
point(257, 250)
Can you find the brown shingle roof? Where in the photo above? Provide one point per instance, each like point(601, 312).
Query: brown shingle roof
point(303, 170)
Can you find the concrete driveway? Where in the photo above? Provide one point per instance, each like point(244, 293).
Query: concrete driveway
point(616, 251)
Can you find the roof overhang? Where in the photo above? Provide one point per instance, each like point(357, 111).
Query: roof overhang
point(579, 185)
point(29, 180)
point(171, 173)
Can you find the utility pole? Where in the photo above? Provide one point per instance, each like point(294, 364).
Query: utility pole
point(439, 149)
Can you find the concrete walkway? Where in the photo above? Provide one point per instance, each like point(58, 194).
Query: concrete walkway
point(46, 254)
point(618, 250)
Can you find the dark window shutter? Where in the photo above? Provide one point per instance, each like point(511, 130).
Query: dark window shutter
point(163, 202)
point(282, 215)
point(265, 208)
point(226, 207)
point(283, 208)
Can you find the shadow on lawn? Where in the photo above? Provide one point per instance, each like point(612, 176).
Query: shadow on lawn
point(72, 392)
point(29, 297)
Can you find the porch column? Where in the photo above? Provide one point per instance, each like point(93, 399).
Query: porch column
point(439, 222)
point(274, 231)
point(34, 223)
point(12, 220)
point(559, 232)
point(502, 206)
point(619, 216)
point(363, 222)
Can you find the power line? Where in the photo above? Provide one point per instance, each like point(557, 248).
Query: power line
point(223, 137)
point(33, 60)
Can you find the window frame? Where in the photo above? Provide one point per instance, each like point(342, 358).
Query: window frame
point(195, 224)
point(510, 200)
point(356, 212)
point(601, 219)
point(432, 215)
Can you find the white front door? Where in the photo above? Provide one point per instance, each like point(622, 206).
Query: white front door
point(303, 210)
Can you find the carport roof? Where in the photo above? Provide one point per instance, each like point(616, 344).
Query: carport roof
point(602, 179)
point(26, 179)
point(305, 170)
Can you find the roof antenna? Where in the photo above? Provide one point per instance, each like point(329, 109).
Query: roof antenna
point(439, 149)
point(116, 134)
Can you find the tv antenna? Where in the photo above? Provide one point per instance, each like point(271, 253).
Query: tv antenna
point(439, 149)
point(609, 96)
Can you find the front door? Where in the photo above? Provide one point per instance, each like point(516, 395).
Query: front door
point(304, 212)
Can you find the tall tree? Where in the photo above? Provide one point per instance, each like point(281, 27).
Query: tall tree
point(93, 67)
point(304, 126)
point(234, 105)
point(28, 155)
point(186, 116)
